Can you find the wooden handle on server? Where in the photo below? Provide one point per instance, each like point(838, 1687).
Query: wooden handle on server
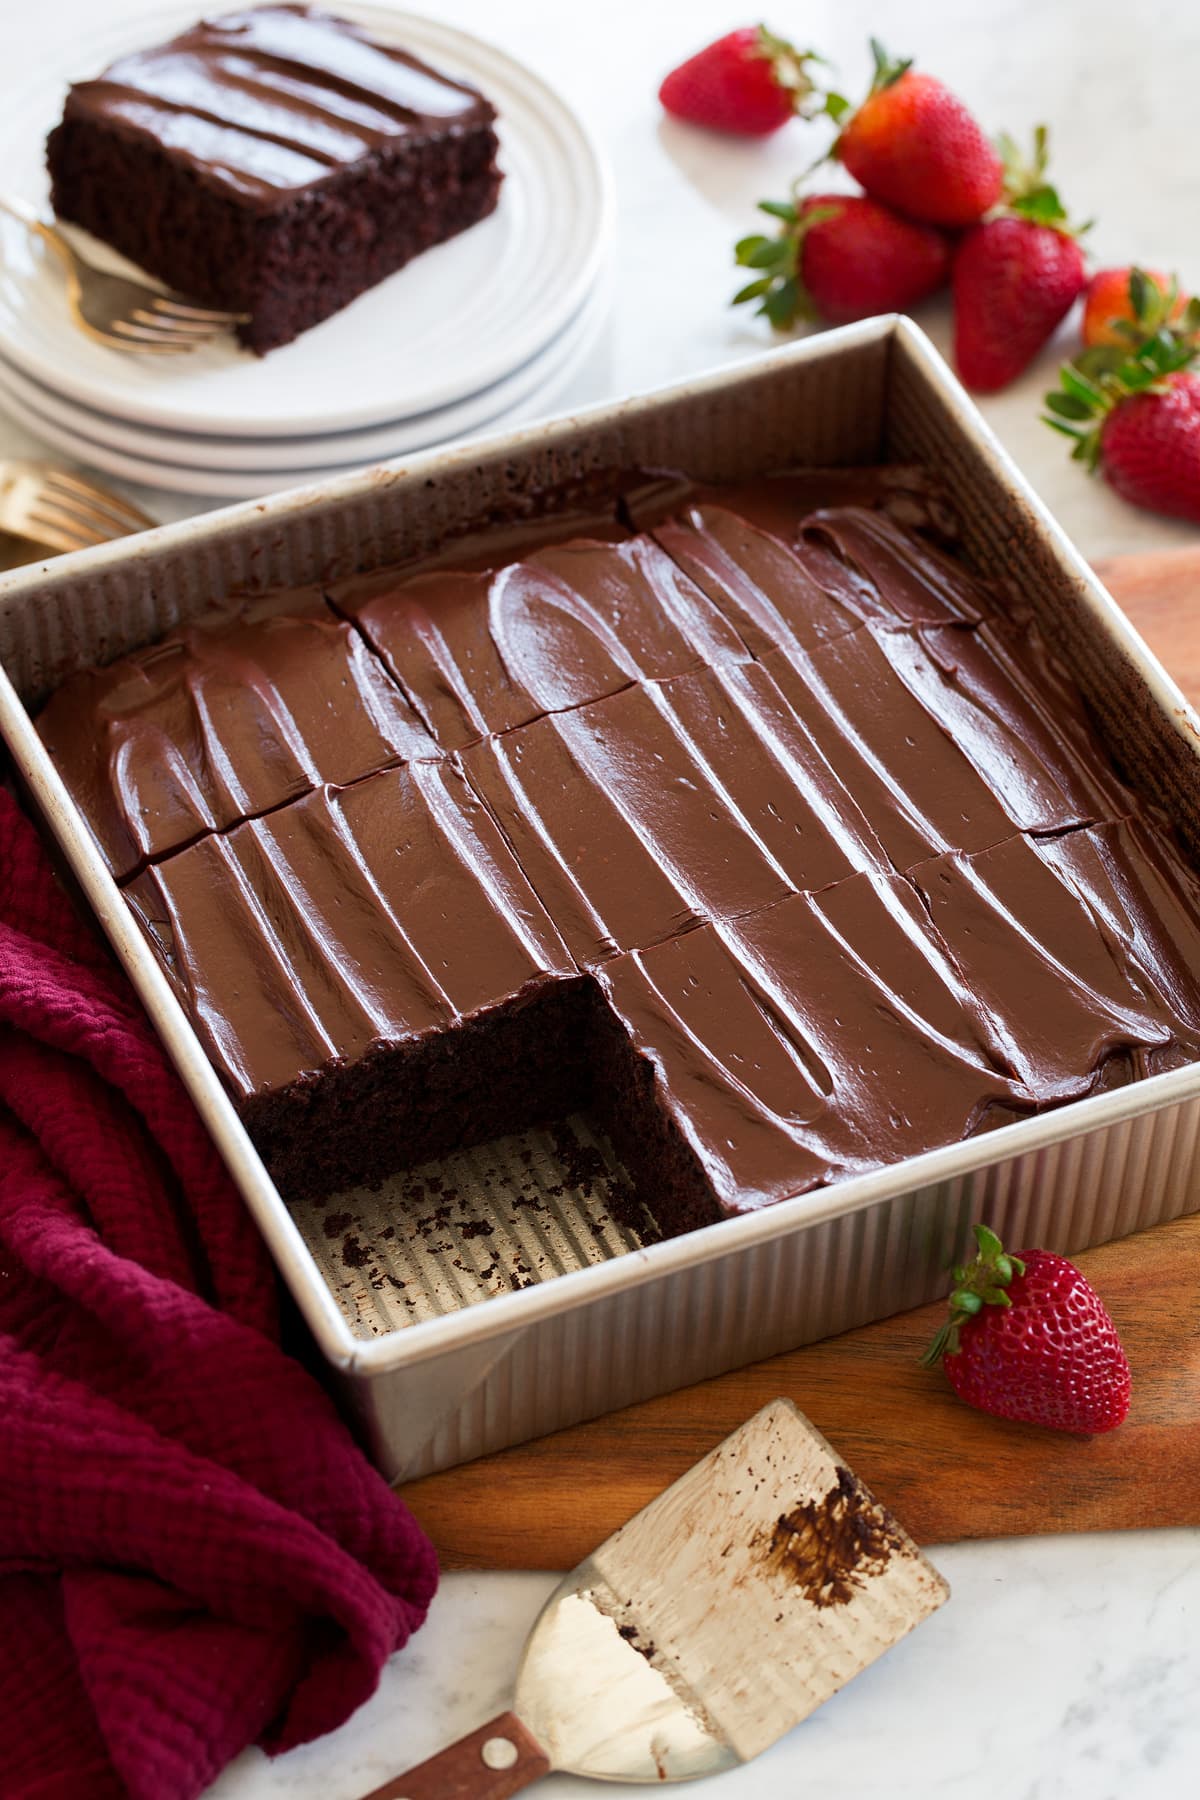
point(499, 1759)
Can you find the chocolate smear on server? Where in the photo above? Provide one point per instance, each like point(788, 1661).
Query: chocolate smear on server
point(636, 1642)
point(829, 1547)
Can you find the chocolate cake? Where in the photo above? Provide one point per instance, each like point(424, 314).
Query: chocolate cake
point(250, 706)
point(372, 974)
point(764, 828)
point(275, 162)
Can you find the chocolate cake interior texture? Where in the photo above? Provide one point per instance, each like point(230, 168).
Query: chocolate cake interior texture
point(751, 818)
point(275, 162)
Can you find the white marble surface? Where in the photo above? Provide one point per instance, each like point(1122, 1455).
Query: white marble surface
point(1063, 1667)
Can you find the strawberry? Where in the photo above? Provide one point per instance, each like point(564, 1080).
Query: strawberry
point(1137, 417)
point(749, 82)
point(1118, 299)
point(1150, 449)
point(1015, 277)
point(840, 257)
point(1028, 1338)
point(914, 145)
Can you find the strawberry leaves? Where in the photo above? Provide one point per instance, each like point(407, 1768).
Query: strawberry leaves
point(1027, 193)
point(778, 286)
point(1099, 379)
point(888, 69)
point(983, 1282)
point(790, 70)
point(886, 73)
point(1153, 306)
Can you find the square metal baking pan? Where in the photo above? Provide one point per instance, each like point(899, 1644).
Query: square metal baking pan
point(598, 1319)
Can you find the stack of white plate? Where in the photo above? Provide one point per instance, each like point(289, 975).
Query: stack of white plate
point(484, 331)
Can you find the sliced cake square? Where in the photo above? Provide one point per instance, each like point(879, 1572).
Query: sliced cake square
point(276, 162)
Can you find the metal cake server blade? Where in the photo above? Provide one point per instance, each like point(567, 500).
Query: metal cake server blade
point(719, 1617)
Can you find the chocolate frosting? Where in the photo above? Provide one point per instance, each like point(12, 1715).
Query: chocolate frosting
point(714, 792)
point(786, 1061)
point(569, 624)
point(355, 918)
point(275, 99)
point(796, 589)
point(889, 1015)
point(819, 816)
point(229, 716)
point(621, 825)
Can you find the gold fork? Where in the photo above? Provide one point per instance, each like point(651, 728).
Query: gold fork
point(61, 511)
point(124, 314)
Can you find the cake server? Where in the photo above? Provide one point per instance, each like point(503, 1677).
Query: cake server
point(721, 1615)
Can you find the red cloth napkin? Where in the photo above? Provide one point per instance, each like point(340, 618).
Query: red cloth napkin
point(194, 1556)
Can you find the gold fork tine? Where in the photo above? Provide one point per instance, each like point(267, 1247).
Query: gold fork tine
point(51, 539)
point(154, 334)
point(85, 517)
point(60, 485)
point(118, 311)
point(144, 346)
point(179, 309)
point(48, 517)
point(60, 510)
point(168, 325)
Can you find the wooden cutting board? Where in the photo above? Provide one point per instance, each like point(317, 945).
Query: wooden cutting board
point(946, 1471)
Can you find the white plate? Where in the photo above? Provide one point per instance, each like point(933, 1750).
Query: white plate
point(182, 478)
point(345, 448)
point(455, 321)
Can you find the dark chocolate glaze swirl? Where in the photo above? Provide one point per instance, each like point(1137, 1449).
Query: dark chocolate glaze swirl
point(225, 718)
point(272, 100)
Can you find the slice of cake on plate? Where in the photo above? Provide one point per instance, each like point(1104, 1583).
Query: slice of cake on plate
point(276, 162)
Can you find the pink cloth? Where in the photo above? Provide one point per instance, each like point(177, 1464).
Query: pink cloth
point(194, 1556)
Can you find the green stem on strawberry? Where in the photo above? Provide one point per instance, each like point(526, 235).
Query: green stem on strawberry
point(778, 286)
point(1027, 193)
point(1153, 308)
point(982, 1282)
point(789, 67)
point(887, 72)
point(1100, 379)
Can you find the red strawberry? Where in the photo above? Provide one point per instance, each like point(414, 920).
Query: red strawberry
point(1028, 1338)
point(1117, 299)
point(914, 145)
point(1137, 417)
point(840, 257)
point(749, 82)
point(1015, 278)
point(1150, 448)
point(1014, 281)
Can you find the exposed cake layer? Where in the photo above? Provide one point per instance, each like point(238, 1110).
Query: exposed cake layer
point(836, 1032)
point(276, 161)
point(586, 505)
point(225, 718)
point(370, 973)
